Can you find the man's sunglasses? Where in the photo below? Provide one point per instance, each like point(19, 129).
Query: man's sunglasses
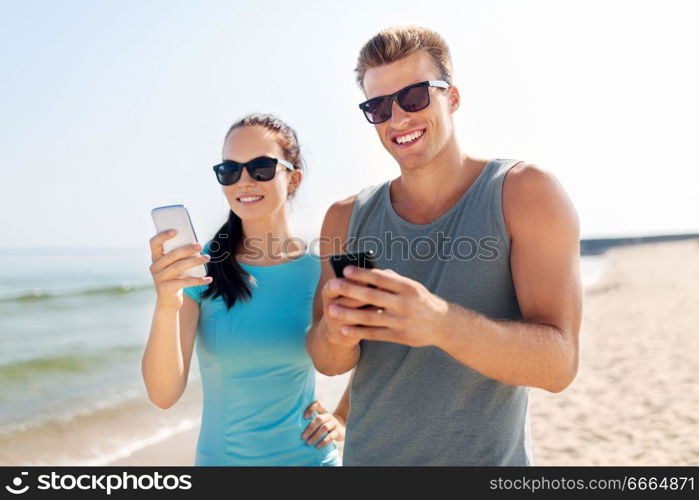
point(411, 98)
point(262, 169)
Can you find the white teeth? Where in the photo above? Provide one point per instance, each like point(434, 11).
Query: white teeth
point(409, 138)
point(250, 198)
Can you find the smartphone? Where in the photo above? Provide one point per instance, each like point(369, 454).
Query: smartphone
point(359, 259)
point(177, 217)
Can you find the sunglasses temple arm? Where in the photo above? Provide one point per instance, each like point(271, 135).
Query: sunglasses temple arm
point(286, 164)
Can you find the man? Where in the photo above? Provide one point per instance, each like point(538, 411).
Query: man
point(458, 333)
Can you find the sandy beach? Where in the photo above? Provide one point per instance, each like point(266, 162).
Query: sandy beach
point(635, 400)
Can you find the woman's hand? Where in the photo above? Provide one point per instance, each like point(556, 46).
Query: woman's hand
point(166, 269)
point(324, 423)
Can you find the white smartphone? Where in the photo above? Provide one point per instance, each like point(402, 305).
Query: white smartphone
point(177, 217)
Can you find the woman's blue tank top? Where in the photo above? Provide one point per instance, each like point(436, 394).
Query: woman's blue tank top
point(256, 375)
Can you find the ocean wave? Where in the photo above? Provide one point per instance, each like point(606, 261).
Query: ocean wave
point(97, 406)
point(63, 363)
point(112, 400)
point(40, 293)
point(129, 449)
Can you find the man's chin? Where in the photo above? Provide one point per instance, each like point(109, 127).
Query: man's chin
point(411, 162)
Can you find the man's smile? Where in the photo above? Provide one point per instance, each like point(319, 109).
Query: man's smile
point(407, 139)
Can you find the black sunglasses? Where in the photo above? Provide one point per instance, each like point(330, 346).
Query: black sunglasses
point(262, 169)
point(411, 98)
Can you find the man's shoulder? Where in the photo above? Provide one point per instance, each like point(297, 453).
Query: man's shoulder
point(526, 183)
point(337, 219)
point(341, 209)
point(525, 175)
point(531, 193)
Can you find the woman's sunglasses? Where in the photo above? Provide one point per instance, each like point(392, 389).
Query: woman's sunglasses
point(262, 169)
point(411, 98)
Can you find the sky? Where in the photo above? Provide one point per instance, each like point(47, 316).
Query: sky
point(109, 109)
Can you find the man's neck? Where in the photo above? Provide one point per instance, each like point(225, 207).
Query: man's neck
point(421, 195)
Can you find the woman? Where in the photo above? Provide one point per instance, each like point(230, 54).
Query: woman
point(249, 316)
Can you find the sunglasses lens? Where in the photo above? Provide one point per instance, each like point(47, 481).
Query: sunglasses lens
point(263, 169)
point(228, 173)
point(414, 98)
point(378, 110)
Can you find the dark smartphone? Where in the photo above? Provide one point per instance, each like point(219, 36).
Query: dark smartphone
point(359, 259)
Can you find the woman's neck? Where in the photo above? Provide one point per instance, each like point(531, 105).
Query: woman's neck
point(269, 240)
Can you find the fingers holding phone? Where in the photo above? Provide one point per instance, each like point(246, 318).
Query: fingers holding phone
point(360, 259)
point(167, 269)
point(332, 294)
point(176, 255)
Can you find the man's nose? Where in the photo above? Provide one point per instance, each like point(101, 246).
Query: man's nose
point(398, 115)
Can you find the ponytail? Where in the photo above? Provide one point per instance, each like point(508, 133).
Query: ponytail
point(230, 280)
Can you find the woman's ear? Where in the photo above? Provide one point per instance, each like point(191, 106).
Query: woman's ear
point(294, 180)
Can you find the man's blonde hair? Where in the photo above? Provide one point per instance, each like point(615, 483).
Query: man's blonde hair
point(395, 43)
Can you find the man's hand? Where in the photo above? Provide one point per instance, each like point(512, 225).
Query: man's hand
point(405, 311)
point(329, 326)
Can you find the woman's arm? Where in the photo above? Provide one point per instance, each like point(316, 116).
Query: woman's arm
point(165, 362)
point(168, 354)
point(332, 425)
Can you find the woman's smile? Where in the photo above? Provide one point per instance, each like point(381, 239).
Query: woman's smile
point(249, 199)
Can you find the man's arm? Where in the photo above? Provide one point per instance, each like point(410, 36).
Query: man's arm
point(331, 357)
point(343, 406)
point(541, 351)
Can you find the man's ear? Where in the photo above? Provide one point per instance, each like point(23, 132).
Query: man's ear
point(454, 98)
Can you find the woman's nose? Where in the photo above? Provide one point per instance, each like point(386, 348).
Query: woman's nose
point(245, 177)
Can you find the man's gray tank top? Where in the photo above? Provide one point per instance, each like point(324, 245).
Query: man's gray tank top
point(418, 405)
